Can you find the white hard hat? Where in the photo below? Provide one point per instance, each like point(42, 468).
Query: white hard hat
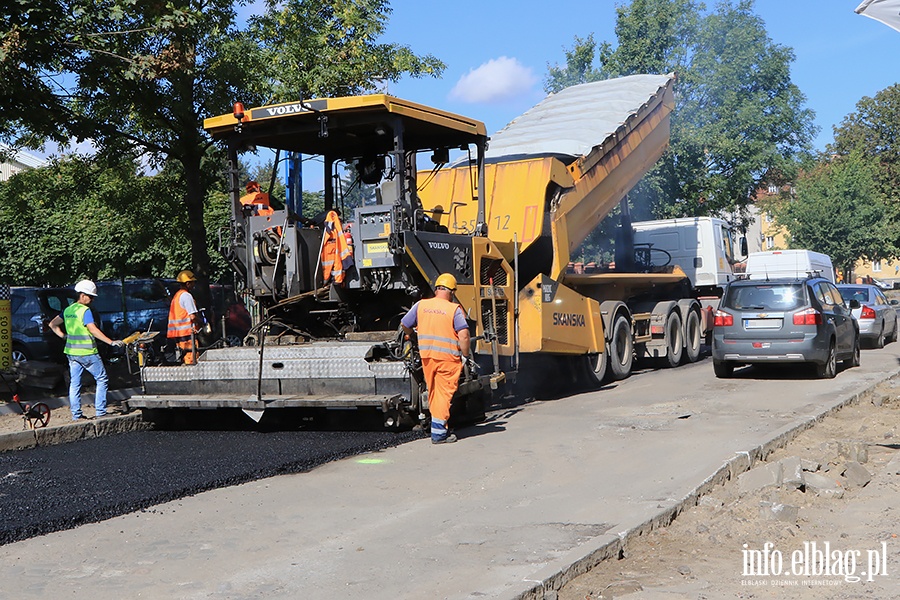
point(86, 286)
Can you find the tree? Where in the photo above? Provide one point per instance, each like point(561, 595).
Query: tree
point(329, 48)
point(89, 217)
point(139, 77)
point(738, 118)
point(839, 211)
point(874, 130)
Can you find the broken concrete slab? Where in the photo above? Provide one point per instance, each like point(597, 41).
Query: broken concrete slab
point(823, 486)
point(854, 450)
point(856, 474)
point(893, 466)
point(791, 472)
point(767, 475)
point(776, 511)
point(810, 465)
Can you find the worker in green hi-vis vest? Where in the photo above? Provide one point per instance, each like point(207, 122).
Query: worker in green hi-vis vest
point(81, 348)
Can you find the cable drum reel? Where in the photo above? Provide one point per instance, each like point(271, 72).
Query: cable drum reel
point(266, 246)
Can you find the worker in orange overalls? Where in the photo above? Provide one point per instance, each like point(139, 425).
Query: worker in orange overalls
point(256, 201)
point(444, 344)
point(336, 255)
point(184, 318)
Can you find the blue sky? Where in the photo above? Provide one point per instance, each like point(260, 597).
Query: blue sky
point(497, 52)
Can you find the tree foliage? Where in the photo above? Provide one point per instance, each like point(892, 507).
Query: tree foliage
point(874, 130)
point(316, 49)
point(87, 217)
point(839, 211)
point(738, 119)
point(140, 77)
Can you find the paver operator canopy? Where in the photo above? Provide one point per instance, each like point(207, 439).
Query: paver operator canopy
point(348, 129)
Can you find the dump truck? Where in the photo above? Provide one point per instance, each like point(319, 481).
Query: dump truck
point(502, 216)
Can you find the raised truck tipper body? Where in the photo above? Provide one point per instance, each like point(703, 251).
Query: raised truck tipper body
point(502, 220)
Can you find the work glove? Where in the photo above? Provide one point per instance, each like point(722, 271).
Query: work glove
point(117, 344)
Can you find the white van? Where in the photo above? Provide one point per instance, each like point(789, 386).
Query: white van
point(788, 263)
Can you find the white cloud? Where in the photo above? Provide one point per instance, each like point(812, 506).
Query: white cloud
point(496, 80)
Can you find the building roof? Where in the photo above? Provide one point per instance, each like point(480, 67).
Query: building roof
point(23, 158)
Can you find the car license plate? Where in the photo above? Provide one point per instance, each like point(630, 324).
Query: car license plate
point(762, 323)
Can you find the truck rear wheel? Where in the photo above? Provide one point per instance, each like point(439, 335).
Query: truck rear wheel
point(693, 337)
point(674, 340)
point(595, 367)
point(620, 349)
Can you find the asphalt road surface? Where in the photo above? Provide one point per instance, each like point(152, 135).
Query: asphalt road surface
point(53, 488)
point(502, 514)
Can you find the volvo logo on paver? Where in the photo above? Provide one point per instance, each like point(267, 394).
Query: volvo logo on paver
point(439, 245)
point(277, 111)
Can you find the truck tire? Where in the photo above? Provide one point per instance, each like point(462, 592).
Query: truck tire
point(620, 349)
point(693, 337)
point(674, 340)
point(595, 366)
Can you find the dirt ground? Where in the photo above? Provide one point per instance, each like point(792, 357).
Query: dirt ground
point(772, 542)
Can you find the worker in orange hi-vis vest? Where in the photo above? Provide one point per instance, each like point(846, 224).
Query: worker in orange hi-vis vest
point(336, 254)
point(184, 318)
point(256, 201)
point(444, 344)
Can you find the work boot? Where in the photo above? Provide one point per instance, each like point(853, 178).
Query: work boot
point(447, 440)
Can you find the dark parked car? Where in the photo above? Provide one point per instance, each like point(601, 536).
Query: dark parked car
point(133, 305)
point(31, 314)
point(120, 309)
point(877, 316)
point(785, 321)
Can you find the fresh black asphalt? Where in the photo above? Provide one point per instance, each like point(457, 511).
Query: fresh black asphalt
point(53, 488)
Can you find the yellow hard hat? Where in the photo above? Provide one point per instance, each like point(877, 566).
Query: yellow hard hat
point(446, 280)
point(185, 276)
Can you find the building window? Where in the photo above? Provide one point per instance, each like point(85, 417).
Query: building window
point(773, 189)
point(876, 266)
point(770, 242)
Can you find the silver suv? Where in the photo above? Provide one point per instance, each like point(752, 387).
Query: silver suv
point(785, 321)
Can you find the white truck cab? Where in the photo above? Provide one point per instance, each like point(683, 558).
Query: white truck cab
point(702, 246)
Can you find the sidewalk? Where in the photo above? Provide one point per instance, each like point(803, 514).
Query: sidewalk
point(16, 435)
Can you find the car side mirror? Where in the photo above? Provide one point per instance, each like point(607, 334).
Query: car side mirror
point(854, 303)
point(895, 302)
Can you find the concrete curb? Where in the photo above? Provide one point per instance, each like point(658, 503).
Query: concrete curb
point(582, 559)
point(119, 396)
point(72, 432)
